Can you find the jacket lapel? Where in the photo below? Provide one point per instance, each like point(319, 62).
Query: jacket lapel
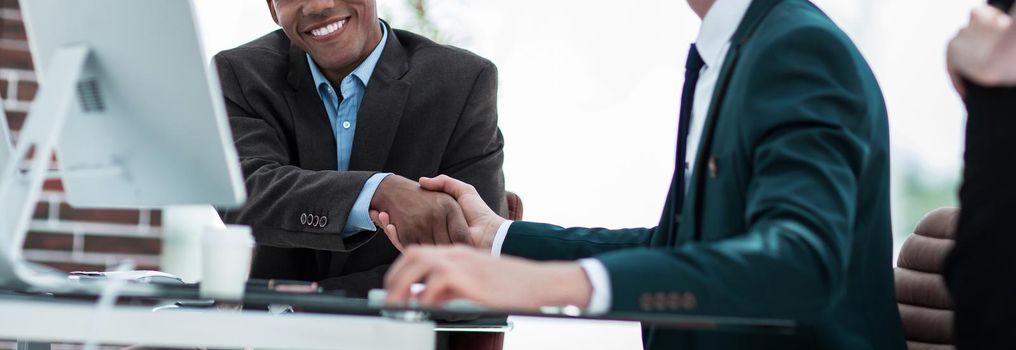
point(309, 117)
point(381, 109)
point(692, 215)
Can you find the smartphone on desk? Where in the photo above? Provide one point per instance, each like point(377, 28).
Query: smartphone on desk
point(283, 286)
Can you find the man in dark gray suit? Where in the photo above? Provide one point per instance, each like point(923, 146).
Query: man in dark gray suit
point(332, 116)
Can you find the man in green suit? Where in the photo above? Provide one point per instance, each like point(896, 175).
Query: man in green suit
point(786, 213)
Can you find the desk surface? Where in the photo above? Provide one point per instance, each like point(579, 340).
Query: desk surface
point(63, 321)
point(330, 303)
point(333, 322)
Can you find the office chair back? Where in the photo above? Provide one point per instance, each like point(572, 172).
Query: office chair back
point(514, 206)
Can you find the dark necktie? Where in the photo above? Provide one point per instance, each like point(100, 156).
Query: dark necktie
point(691, 75)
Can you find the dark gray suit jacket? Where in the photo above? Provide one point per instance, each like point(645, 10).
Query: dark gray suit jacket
point(428, 109)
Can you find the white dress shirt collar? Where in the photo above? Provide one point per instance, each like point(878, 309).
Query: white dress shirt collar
point(717, 27)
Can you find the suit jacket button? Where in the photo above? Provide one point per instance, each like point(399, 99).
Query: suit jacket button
point(646, 302)
point(660, 301)
point(323, 222)
point(714, 169)
point(674, 301)
point(690, 302)
point(303, 219)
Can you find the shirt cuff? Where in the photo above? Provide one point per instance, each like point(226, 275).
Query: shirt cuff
point(359, 217)
point(502, 232)
point(599, 303)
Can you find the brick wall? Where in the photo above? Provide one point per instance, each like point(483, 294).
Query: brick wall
point(63, 237)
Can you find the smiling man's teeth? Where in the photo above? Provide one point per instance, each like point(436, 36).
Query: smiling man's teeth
point(328, 29)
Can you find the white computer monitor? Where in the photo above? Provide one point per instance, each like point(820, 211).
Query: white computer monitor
point(134, 111)
point(147, 124)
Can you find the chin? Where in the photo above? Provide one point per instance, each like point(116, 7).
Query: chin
point(333, 62)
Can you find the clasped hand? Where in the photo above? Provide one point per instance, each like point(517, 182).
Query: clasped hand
point(470, 273)
point(438, 211)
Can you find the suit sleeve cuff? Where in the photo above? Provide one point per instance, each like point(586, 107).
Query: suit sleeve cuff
point(502, 233)
point(599, 303)
point(359, 216)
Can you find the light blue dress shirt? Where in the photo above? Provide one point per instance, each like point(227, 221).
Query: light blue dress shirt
point(342, 116)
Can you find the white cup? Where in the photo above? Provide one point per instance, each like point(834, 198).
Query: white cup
point(225, 261)
point(182, 227)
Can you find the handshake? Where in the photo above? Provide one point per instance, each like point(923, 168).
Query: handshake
point(435, 211)
point(446, 211)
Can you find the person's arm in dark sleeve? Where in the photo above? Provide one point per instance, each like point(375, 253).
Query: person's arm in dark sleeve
point(792, 260)
point(287, 206)
point(980, 270)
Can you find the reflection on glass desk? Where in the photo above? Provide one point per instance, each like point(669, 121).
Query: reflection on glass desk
point(466, 317)
point(318, 314)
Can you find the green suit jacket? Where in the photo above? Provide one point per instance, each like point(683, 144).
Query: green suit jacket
point(788, 212)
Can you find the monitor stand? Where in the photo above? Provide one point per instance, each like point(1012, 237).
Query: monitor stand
point(6, 144)
point(20, 189)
